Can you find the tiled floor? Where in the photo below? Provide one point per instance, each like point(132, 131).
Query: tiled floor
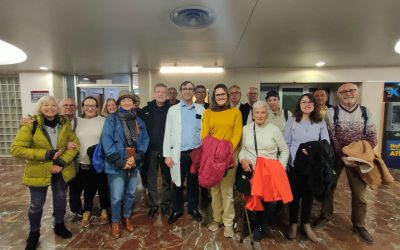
point(383, 222)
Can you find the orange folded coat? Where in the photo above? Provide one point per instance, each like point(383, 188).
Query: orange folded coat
point(269, 183)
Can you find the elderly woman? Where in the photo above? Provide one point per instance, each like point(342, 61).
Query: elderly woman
point(124, 140)
point(109, 107)
point(223, 123)
point(88, 130)
point(306, 125)
point(48, 162)
point(269, 141)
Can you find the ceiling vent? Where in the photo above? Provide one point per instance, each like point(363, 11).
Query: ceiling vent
point(193, 17)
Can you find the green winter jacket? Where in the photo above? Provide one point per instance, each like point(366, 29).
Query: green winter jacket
point(35, 148)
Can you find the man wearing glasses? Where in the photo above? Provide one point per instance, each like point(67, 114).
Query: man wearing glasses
point(246, 109)
point(235, 94)
point(182, 135)
point(349, 123)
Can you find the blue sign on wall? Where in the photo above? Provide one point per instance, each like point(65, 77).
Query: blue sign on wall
point(391, 153)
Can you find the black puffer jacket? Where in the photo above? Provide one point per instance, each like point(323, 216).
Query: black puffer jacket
point(318, 164)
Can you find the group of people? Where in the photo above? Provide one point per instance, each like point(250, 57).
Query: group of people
point(256, 136)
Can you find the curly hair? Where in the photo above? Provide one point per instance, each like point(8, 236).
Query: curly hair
point(315, 115)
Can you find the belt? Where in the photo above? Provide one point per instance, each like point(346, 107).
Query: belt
point(186, 151)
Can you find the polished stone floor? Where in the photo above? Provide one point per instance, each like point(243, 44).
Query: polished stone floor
point(383, 221)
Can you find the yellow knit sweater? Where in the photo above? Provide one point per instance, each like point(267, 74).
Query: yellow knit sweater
point(223, 125)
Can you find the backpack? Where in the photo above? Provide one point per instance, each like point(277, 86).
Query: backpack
point(364, 114)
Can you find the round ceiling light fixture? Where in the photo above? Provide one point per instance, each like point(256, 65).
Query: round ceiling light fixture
point(9, 54)
point(193, 17)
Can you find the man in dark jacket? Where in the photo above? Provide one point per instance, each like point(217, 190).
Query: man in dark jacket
point(155, 115)
point(246, 109)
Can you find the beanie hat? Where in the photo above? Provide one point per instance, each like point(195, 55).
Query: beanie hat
point(273, 93)
point(125, 94)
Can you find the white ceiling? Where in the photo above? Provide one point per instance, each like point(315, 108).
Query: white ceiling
point(110, 36)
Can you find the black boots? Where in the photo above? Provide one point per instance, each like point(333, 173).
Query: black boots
point(60, 230)
point(32, 241)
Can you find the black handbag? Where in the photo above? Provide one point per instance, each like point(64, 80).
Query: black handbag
point(243, 178)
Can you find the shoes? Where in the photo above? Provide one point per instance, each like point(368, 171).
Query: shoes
point(104, 217)
point(85, 222)
point(258, 233)
point(292, 232)
point(60, 230)
point(214, 226)
point(309, 233)
point(164, 211)
point(363, 233)
point(152, 212)
point(320, 222)
point(174, 216)
point(128, 224)
point(228, 232)
point(32, 241)
point(195, 214)
point(116, 230)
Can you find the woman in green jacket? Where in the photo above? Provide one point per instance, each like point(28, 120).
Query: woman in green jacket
point(43, 144)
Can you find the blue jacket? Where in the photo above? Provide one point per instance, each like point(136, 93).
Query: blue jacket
point(113, 142)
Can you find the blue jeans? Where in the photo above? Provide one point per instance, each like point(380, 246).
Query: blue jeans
point(38, 198)
point(122, 193)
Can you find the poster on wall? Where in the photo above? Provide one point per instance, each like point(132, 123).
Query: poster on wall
point(391, 153)
point(37, 94)
point(391, 92)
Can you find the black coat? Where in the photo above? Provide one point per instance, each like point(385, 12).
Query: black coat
point(245, 110)
point(319, 164)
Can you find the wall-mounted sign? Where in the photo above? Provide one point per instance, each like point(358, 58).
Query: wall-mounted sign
point(37, 94)
point(391, 92)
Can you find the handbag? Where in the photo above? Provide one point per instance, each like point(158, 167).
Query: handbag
point(243, 178)
point(98, 158)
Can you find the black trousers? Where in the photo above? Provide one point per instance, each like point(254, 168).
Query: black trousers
point(301, 186)
point(95, 182)
point(75, 192)
point(192, 185)
point(156, 159)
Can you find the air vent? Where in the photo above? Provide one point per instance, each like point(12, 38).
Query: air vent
point(193, 17)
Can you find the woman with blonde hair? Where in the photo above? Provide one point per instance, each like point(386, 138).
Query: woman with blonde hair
point(48, 162)
point(109, 107)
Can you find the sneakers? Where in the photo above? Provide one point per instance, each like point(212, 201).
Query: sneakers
point(32, 241)
point(60, 230)
point(85, 222)
point(363, 234)
point(228, 232)
point(214, 226)
point(104, 217)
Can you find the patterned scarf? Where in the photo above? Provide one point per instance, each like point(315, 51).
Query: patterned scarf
point(128, 120)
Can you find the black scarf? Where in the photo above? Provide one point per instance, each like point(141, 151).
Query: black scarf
point(128, 120)
point(51, 123)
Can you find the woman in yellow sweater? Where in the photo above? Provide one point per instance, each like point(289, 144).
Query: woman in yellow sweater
point(224, 123)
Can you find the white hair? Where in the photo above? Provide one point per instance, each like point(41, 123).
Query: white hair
point(43, 100)
point(260, 104)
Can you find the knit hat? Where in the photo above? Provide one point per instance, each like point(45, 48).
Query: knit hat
point(125, 94)
point(271, 93)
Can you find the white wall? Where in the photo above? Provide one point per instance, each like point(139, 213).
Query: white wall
point(372, 80)
point(39, 81)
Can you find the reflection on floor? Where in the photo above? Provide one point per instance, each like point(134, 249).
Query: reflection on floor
point(383, 221)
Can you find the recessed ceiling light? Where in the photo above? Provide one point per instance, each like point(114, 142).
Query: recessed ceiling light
point(43, 68)
point(191, 69)
point(85, 78)
point(397, 47)
point(9, 54)
point(320, 64)
point(193, 17)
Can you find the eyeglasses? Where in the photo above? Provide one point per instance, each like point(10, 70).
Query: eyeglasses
point(220, 95)
point(90, 106)
point(235, 93)
point(188, 89)
point(69, 105)
point(307, 102)
point(351, 91)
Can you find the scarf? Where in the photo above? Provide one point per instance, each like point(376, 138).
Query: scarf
point(128, 120)
point(218, 108)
